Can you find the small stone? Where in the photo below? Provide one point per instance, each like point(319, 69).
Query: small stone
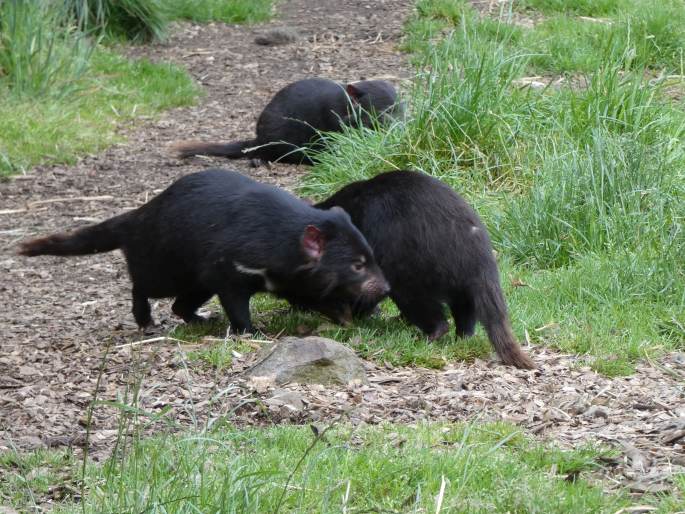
point(289, 399)
point(276, 36)
point(85, 422)
point(28, 371)
point(261, 384)
point(597, 411)
point(679, 359)
point(639, 461)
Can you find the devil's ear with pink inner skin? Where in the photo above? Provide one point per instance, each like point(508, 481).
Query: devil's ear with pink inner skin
point(353, 92)
point(313, 242)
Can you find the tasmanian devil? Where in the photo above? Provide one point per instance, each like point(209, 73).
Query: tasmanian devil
point(291, 119)
point(219, 232)
point(434, 250)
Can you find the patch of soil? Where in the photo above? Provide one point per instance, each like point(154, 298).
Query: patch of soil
point(66, 325)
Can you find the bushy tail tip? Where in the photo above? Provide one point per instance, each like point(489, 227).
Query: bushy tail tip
point(184, 149)
point(232, 150)
point(48, 245)
point(103, 237)
point(492, 313)
point(505, 344)
point(515, 356)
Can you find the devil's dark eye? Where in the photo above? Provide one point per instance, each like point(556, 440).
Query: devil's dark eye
point(358, 266)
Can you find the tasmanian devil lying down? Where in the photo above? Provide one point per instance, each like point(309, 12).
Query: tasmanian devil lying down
point(219, 232)
point(433, 250)
point(291, 119)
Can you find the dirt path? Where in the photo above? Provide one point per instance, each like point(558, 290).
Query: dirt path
point(58, 316)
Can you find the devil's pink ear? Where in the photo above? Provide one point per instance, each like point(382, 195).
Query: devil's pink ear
point(353, 91)
point(313, 242)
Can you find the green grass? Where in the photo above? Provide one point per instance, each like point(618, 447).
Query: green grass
point(41, 52)
point(578, 7)
point(134, 20)
point(116, 90)
point(227, 11)
point(581, 185)
point(387, 468)
point(563, 39)
point(598, 307)
point(567, 45)
point(213, 346)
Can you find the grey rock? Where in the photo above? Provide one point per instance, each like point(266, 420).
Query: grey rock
point(639, 461)
point(291, 400)
point(679, 359)
point(309, 360)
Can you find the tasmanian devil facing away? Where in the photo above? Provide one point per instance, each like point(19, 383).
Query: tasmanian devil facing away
point(433, 249)
point(219, 232)
point(291, 119)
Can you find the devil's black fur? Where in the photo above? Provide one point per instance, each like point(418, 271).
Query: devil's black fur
point(433, 250)
point(219, 232)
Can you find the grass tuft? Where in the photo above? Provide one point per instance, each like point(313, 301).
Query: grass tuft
point(227, 11)
point(49, 130)
point(133, 20)
point(41, 53)
point(38, 478)
point(577, 7)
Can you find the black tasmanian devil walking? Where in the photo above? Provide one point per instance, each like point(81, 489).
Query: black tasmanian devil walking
point(433, 250)
point(293, 116)
point(219, 232)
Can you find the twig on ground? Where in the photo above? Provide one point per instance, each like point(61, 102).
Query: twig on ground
point(198, 52)
point(151, 340)
point(72, 199)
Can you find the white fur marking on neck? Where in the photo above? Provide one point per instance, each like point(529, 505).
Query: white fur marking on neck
point(259, 272)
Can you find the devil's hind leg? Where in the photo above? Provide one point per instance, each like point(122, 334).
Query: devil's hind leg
point(464, 313)
point(141, 308)
point(425, 312)
point(186, 305)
